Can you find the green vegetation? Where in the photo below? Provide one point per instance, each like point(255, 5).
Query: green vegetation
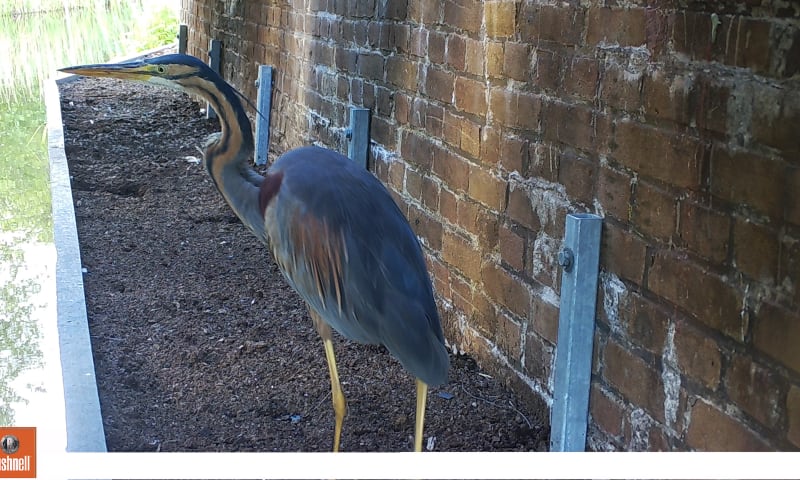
point(158, 27)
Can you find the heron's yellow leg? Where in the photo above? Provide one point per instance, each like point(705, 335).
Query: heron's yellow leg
point(339, 402)
point(422, 395)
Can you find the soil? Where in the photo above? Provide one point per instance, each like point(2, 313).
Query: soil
point(199, 344)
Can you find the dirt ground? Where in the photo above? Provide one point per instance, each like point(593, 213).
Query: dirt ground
point(199, 344)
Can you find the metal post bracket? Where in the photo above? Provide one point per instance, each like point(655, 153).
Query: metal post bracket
point(358, 136)
point(264, 105)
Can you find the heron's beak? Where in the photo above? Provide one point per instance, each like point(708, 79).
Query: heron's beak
point(125, 71)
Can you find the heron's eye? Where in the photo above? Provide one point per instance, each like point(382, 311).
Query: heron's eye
point(161, 69)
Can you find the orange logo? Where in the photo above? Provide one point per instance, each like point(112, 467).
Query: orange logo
point(17, 452)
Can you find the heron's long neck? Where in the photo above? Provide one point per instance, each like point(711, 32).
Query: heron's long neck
point(227, 159)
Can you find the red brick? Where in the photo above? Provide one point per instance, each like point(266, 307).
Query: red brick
point(578, 175)
point(516, 61)
point(619, 89)
point(448, 205)
point(698, 355)
point(790, 268)
point(670, 157)
point(441, 277)
point(487, 188)
point(451, 129)
point(470, 96)
point(430, 194)
point(702, 294)
point(615, 26)
point(436, 46)
point(370, 66)
point(709, 98)
point(574, 125)
point(749, 179)
point(424, 12)
point(538, 357)
point(667, 96)
point(775, 124)
point(552, 23)
point(461, 292)
point(634, 378)
point(581, 78)
point(490, 145)
point(453, 170)
point(475, 56)
point(470, 138)
point(434, 119)
point(705, 231)
point(417, 150)
point(644, 322)
point(418, 42)
point(426, 227)
point(461, 254)
point(455, 55)
point(607, 412)
point(654, 211)
point(505, 289)
point(623, 253)
point(512, 248)
point(439, 84)
point(755, 251)
point(402, 108)
point(793, 203)
point(508, 336)
point(402, 72)
point(396, 177)
point(544, 319)
point(755, 388)
point(713, 430)
point(413, 184)
point(515, 109)
point(614, 192)
point(464, 14)
point(520, 209)
point(494, 59)
point(547, 70)
point(777, 333)
point(793, 412)
point(500, 18)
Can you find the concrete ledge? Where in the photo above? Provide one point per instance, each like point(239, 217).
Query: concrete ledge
point(82, 405)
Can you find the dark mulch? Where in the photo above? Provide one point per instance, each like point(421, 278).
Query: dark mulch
point(199, 344)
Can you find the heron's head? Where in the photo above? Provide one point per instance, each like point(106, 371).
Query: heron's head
point(180, 72)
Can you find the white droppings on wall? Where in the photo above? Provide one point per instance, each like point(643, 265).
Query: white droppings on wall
point(614, 293)
point(670, 377)
point(640, 424)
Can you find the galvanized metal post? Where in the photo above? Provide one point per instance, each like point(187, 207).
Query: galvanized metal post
point(580, 261)
point(264, 104)
point(214, 54)
point(183, 39)
point(358, 136)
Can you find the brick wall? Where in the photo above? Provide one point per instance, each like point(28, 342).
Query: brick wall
point(493, 120)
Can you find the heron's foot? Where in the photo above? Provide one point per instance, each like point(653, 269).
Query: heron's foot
point(422, 395)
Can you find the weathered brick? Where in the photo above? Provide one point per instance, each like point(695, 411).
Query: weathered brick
point(434, 119)
point(453, 170)
point(707, 102)
point(634, 378)
point(439, 84)
point(622, 253)
point(544, 319)
point(538, 357)
point(505, 289)
point(470, 96)
point(430, 193)
point(755, 250)
point(702, 294)
point(777, 333)
point(614, 192)
point(698, 355)
point(670, 157)
point(552, 23)
point(666, 96)
point(546, 69)
point(426, 227)
point(402, 72)
point(470, 140)
point(755, 388)
point(508, 336)
point(654, 211)
point(748, 179)
point(515, 109)
point(424, 12)
point(514, 154)
point(713, 430)
point(418, 42)
point(512, 248)
point(793, 412)
point(619, 89)
point(500, 18)
point(520, 209)
point(607, 412)
point(578, 175)
point(776, 114)
point(440, 277)
point(436, 46)
point(413, 184)
point(461, 254)
point(448, 206)
point(455, 54)
point(464, 14)
point(624, 27)
point(516, 60)
point(370, 66)
point(462, 292)
point(383, 132)
point(487, 188)
point(475, 56)
point(490, 145)
point(789, 267)
point(581, 78)
point(494, 58)
point(793, 189)
point(574, 125)
point(705, 231)
point(417, 150)
point(644, 322)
